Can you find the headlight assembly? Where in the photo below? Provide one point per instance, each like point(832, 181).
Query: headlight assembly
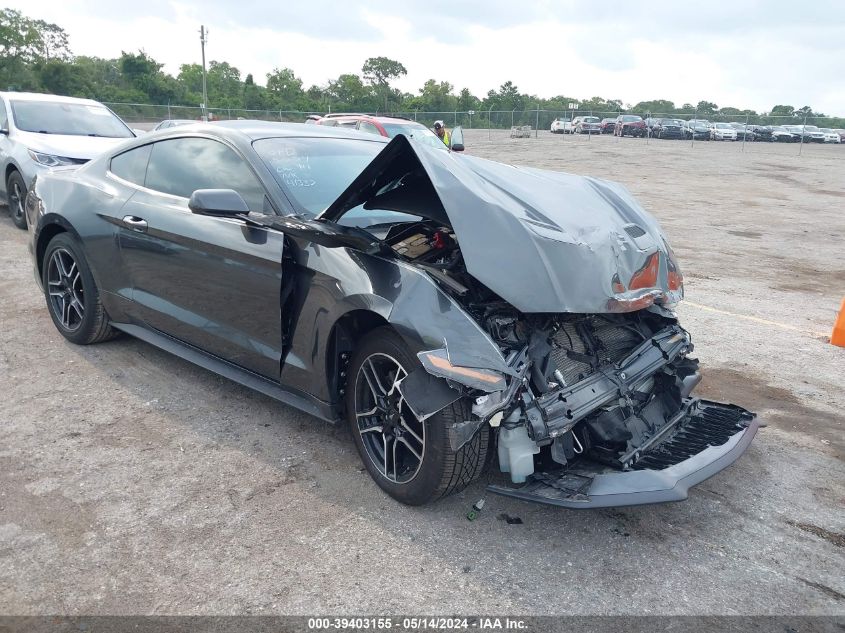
point(49, 160)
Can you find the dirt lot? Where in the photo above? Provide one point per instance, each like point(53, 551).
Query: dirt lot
point(133, 482)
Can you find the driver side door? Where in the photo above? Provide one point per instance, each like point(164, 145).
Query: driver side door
point(212, 282)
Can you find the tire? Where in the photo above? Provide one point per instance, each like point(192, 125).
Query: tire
point(68, 288)
point(440, 471)
point(16, 196)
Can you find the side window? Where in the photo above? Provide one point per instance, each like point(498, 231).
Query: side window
point(132, 165)
point(181, 166)
point(4, 119)
point(369, 127)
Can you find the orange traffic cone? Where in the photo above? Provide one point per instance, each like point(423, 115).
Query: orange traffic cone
point(838, 336)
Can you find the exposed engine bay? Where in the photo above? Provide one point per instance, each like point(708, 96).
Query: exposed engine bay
point(591, 394)
point(574, 283)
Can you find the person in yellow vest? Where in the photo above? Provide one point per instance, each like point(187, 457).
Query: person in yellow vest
point(442, 132)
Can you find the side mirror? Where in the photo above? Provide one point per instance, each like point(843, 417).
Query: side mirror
point(217, 202)
point(456, 140)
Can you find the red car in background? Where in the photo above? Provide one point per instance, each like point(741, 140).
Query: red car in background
point(630, 125)
point(388, 126)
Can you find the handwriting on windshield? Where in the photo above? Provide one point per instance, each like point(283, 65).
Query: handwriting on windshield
point(293, 168)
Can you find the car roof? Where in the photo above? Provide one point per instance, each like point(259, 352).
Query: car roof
point(254, 129)
point(38, 96)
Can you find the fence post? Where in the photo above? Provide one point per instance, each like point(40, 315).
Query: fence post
point(489, 123)
point(647, 127)
point(456, 120)
point(745, 132)
point(803, 130)
point(692, 128)
point(537, 122)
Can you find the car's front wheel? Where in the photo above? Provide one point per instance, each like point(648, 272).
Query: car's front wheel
point(72, 295)
point(412, 460)
point(16, 197)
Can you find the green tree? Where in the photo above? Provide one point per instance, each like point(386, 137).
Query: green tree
point(143, 73)
point(379, 71)
point(706, 108)
point(253, 98)
point(285, 89)
point(348, 93)
point(24, 43)
point(783, 110)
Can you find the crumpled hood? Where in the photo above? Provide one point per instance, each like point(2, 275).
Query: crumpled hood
point(544, 241)
point(68, 146)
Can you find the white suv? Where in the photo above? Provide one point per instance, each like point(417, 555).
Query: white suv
point(40, 131)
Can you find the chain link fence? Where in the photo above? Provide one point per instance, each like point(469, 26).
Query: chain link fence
point(799, 128)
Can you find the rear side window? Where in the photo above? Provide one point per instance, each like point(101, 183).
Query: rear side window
point(4, 118)
point(181, 166)
point(369, 127)
point(132, 165)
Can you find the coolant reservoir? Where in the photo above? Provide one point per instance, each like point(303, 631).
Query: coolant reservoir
point(516, 453)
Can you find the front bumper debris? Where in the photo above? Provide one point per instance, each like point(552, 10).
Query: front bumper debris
point(709, 438)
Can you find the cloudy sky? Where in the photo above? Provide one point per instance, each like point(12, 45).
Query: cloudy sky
point(742, 53)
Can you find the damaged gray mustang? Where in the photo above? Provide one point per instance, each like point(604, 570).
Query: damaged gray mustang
point(450, 309)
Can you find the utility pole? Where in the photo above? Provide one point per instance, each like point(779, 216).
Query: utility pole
point(203, 40)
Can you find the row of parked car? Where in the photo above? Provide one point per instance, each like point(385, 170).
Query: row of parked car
point(698, 129)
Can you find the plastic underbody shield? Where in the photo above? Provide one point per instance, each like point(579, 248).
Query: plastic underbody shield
point(699, 445)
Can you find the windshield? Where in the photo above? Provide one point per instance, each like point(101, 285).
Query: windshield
point(73, 119)
point(723, 126)
point(811, 128)
point(629, 118)
point(590, 119)
point(313, 172)
point(415, 131)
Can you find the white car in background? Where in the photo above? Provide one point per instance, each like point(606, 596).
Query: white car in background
point(39, 131)
point(561, 126)
point(831, 136)
point(722, 132)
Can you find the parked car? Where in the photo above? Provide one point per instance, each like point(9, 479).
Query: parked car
point(629, 125)
point(761, 132)
point(780, 134)
point(607, 125)
point(697, 129)
point(561, 126)
point(812, 134)
point(172, 123)
point(796, 131)
point(386, 126)
point(382, 283)
point(667, 128)
point(743, 131)
point(722, 132)
point(586, 125)
point(38, 132)
point(830, 136)
point(841, 135)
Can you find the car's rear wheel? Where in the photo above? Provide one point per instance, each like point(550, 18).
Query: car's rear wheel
point(16, 197)
point(72, 295)
point(411, 460)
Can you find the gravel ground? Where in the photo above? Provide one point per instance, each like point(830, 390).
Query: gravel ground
point(134, 483)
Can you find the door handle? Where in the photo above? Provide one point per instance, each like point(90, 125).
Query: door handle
point(135, 223)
